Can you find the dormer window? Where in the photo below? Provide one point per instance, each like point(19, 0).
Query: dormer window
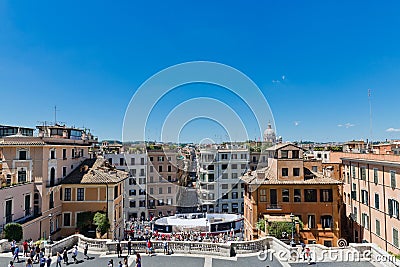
point(284, 154)
point(52, 154)
point(295, 154)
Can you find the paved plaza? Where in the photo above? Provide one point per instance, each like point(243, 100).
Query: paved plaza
point(161, 260)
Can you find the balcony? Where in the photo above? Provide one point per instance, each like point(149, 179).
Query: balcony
point(274, 207)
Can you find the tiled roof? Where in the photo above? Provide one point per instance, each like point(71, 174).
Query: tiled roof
point(268, 176)
point(282, 145)
point(95, 171)
point(21, 141)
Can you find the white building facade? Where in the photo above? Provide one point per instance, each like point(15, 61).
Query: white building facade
point(135, 186)
point(219, 186)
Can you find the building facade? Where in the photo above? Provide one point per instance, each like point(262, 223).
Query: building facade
point(287, 187)
point(43, 162)
point(219, 186)
point(135, 186)
point(371, 196)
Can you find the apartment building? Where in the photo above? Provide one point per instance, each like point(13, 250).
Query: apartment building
point(94, 186)
point(32, 168)
point(287, 187)
point(219, 186)
point(135, 186)
point(164, 170)
point(371, 196)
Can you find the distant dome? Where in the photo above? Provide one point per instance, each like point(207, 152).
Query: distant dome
point(269, 134)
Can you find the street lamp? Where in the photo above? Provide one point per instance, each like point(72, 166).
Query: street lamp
point(293, 225)
point(50, 217)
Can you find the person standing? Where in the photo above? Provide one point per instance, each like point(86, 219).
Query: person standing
point(75, 254)
point(165, 245)
point(59, 259)
point(13, 245)
point(85, 251)
point(16, 252)
point(65, 256)
point(119, 250)
point(42, 262)
point(129, 247)
point(138, 260)
point(25, 248)
point(48, 261)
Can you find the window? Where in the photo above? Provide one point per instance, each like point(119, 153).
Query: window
point(132, 161)
point(210, 167)
point(80, 194)
point(169, 178)
point(263, 195)
point(116, 192)
point(234, 175)
point(110, 160)
point(169, 190)
point(314, 168)
point(364, 197)
point(160, 202)
point(169, 168)
point(224, 156)
point(395, 237)
point(67, 194)
point(224, 166)
point(151, 168)
point(243, 166)
point(375, 175)
point(326, 221)
point(243, 156)
point(296, 171)
point(234, 195)
point(285, 171)
point(224, 186)
point(142, 180)
point(160, 190)
point(310, 195)
point(132, 181)
point(363, 174)
point(132, 204)
point(142, 203)
point(365, 221)
point(311, 221)
point(151, 190)
point(132, 192)
point(21, 176)
point(326, 195)
point(353, 170)
point(67, 219)
point(169, 201)
point(393, 207)
point(354, 192)
point(224, 176)
point(160, 168)
point(211, 187)
point(285, 195)
point(160, 178)
point(64, 171)
point(52, 154)
point(377, 201)
point(141, 172)
point(160, 158)
point(22, 155)
point(355, 214)
point(378, 227)
point(393, 179)
point(295, 154)
point(234, 166)
point(151, 158)
point(297, 195)
point(225, 196)
point(51, 200)
point(210, 177)
point(141, 161)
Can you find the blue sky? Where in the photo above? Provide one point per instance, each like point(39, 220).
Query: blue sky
point(89, 57)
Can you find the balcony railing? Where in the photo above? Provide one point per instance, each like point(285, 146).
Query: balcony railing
point(274, 207)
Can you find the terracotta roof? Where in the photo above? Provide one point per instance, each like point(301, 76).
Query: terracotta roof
point(95, 171)
point(21, 141)
point(282, 145)
point(268, 176)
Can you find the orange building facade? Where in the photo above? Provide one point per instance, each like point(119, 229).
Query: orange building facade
point(287, 187)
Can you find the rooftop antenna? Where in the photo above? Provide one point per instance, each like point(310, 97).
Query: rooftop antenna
point(370, 116)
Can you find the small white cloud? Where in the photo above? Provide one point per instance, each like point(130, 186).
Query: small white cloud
point(393, 130)
point(276, 81)
point(283, 77)
point(296, 123)
point(347, 125)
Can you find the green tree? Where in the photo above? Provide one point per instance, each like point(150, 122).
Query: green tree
point(13, 231)
point(101, 221)
point(261, 225)
point(280, 229)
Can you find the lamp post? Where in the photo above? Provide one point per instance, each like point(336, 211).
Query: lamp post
point(293, 225)
point(50, 217)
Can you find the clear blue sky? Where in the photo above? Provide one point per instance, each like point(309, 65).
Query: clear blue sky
point(89, 57)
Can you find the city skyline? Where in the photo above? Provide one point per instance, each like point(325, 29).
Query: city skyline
point(314, 69)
